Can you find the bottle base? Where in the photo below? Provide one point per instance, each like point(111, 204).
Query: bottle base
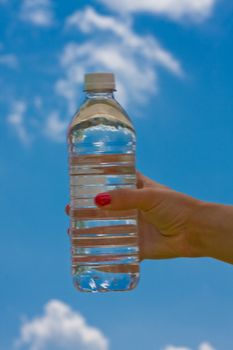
point(94, 281)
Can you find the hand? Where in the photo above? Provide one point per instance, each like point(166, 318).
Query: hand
point(172, 224)
point(165, 218)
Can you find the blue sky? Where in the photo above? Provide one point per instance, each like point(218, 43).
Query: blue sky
point(173, 64)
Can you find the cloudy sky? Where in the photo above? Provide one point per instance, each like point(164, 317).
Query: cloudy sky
point(173, 66)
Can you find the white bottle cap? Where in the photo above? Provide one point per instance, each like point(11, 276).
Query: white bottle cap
point(99, 82)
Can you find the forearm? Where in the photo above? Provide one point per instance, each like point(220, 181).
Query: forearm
point(214, 229)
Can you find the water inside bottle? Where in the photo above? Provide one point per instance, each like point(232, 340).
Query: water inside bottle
point(104, 243)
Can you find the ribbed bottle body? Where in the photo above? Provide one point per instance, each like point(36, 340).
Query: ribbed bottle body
point(104, 244)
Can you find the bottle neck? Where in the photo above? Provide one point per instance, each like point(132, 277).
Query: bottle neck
point(100, 94)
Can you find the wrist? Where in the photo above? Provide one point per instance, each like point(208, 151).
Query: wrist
point(204, 227)
point(193, 239)
point(211, 231)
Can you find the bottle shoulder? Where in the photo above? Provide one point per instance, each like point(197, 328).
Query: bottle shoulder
point(106, 110)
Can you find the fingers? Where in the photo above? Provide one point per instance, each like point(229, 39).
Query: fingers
point(122, 200)
point(126, 199)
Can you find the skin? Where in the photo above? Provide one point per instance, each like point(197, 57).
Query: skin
point(173, 224)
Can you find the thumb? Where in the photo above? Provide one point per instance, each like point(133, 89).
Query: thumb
point(126, 199)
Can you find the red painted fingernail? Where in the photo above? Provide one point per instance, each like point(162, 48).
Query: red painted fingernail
point(67, 209)
point(103, 199)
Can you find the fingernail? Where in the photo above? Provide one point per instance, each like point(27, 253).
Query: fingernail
point(103, 199)
point(67, 209)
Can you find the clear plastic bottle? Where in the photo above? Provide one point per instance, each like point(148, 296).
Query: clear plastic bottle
point(101, 140)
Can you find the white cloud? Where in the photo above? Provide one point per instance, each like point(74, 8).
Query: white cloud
point(17, 121)
point(202, 346)
point(88, 21)
point(175, 9)
point(9, 60)
point(37, 12)
point(112, 45)
point(60, 328)
point(205, 346)
point(28, 126)
point(55, 127)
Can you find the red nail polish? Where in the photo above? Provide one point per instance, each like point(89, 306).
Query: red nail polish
point(103, 199)
point(67, 209)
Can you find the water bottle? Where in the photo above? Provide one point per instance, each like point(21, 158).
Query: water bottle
point(101, 143)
